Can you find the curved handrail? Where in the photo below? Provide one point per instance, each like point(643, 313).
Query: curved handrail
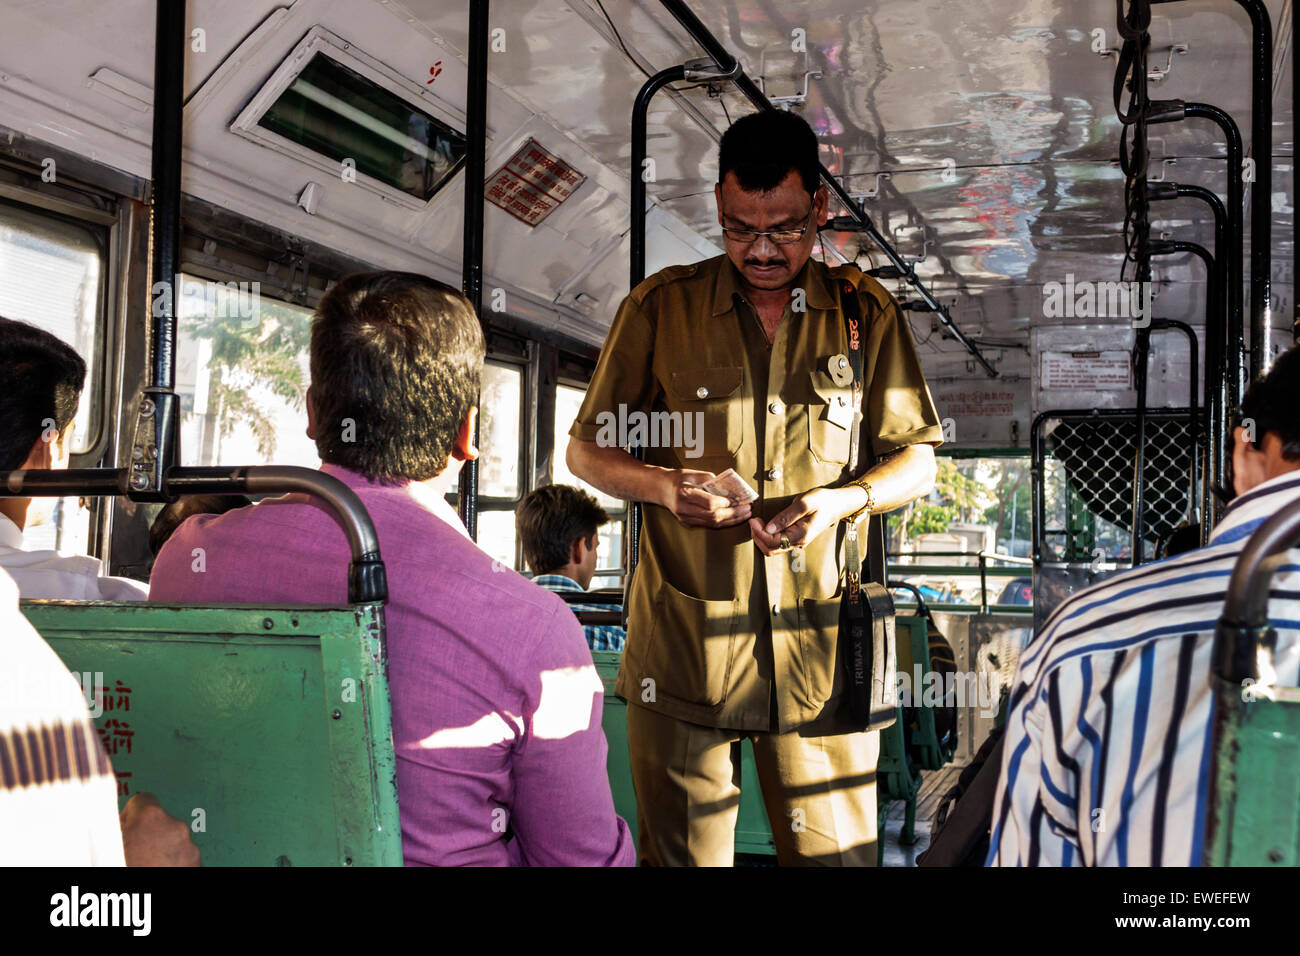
point(1245, 609)
point(367, 580)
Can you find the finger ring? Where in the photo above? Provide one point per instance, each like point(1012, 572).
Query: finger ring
point(785, 543)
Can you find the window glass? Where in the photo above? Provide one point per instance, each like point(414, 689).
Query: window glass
point(500, 406)
point(51, 272)
point(242, 375)
point(978, 504)
point(568, 401)
point(496, 535)
point(339, 113)
point(51, 275)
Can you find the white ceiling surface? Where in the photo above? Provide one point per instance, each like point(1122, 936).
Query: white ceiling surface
point(1008, 90)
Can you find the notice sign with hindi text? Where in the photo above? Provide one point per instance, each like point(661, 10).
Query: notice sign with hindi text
point(1108, 371)
point(532, 183)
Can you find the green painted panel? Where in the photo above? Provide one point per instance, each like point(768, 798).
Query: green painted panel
point(268, 729)
point(1257, 783)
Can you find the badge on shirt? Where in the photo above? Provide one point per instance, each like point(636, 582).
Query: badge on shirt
point(840, 371)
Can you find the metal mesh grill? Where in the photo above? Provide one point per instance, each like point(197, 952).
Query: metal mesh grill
point(1096, 453)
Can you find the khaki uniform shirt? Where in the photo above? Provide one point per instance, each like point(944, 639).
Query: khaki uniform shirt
point(718, 633)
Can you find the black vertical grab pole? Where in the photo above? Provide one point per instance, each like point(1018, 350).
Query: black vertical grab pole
point(639, 178)
point(1261, 193)
point(475, 175)
point(154, 445)
point(1215, 339)
point(1261, 150)
point(1141, 356)
point(640, 109)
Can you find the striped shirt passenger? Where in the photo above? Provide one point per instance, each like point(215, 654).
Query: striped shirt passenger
point(1108, 750)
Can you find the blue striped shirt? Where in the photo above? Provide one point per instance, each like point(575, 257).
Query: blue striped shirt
point(1108, 746)
point(600, 637)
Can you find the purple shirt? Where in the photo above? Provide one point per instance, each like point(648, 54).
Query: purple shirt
point(496, 701)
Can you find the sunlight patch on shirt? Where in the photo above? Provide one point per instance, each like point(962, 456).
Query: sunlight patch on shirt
point(488, 731)
point(566, 705)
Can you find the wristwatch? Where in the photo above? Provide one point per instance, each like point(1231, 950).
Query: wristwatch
point(868, 507)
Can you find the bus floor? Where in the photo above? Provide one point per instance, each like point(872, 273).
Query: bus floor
point(934, 784)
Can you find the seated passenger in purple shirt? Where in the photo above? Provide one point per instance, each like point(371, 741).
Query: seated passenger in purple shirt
point(496, 702)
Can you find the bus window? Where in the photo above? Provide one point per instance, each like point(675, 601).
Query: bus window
point(500, 450)
point(242, 376)
point(52, 275)
point(978, 504)
point(568, 400)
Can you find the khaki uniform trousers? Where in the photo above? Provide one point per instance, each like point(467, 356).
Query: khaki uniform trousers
point(819, 791)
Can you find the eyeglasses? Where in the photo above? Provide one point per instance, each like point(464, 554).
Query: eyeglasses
point(782, 237)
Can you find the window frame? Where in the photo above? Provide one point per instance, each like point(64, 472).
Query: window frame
point(566, 377)
point(323, 42)
point(502, 355)
point(102, 227)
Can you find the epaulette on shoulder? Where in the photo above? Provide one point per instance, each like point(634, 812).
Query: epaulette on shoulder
point(848, 272)
point(662, 278)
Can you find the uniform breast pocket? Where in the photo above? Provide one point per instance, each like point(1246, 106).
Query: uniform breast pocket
point(830, 419)
point(706, 408)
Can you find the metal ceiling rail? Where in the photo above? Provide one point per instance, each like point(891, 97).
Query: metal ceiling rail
point(729, 68)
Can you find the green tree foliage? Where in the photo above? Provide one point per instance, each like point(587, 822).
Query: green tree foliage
point(251, 354)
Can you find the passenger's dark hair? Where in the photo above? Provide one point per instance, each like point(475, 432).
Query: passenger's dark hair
point(174, 514)
point(1272, 403)
point(550, 519)
point(762, 148)
point(396, 360)
point(41, 378)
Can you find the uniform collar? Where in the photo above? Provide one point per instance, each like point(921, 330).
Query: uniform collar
point(813, 278)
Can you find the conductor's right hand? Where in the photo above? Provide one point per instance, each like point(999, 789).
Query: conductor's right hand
point(695, 507)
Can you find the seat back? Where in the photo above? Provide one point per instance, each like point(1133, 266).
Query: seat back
point(267, 729)
point(753, 833)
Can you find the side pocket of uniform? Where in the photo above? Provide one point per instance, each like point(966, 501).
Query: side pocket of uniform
point(819, 630)
point(689, 652)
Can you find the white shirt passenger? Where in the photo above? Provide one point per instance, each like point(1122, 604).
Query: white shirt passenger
point(49, 575)
point(58, 795)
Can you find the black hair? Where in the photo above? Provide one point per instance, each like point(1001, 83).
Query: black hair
point(762, 148)
point(1272, 403)
point(175, 513)
point(42, 379)
point(396, 360)
point(550, 519)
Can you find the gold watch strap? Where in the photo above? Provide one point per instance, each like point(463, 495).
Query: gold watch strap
point(868, 507)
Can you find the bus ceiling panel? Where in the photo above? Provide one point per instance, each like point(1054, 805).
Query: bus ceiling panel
point(999, 82)
point(564, 59)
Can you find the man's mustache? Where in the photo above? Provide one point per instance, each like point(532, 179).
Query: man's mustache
point(763, 265)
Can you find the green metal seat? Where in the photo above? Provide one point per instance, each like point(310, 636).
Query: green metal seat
point(1255, 782)
point(268, 730)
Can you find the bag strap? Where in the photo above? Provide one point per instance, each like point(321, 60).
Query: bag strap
point(872, 566)
point(851, 308)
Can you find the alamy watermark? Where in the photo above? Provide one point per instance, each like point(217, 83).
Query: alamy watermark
point(651, 430)
point(964, 689)
point(1098, 300)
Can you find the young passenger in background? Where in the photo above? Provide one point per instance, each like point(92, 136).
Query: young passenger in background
point(559, 526)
